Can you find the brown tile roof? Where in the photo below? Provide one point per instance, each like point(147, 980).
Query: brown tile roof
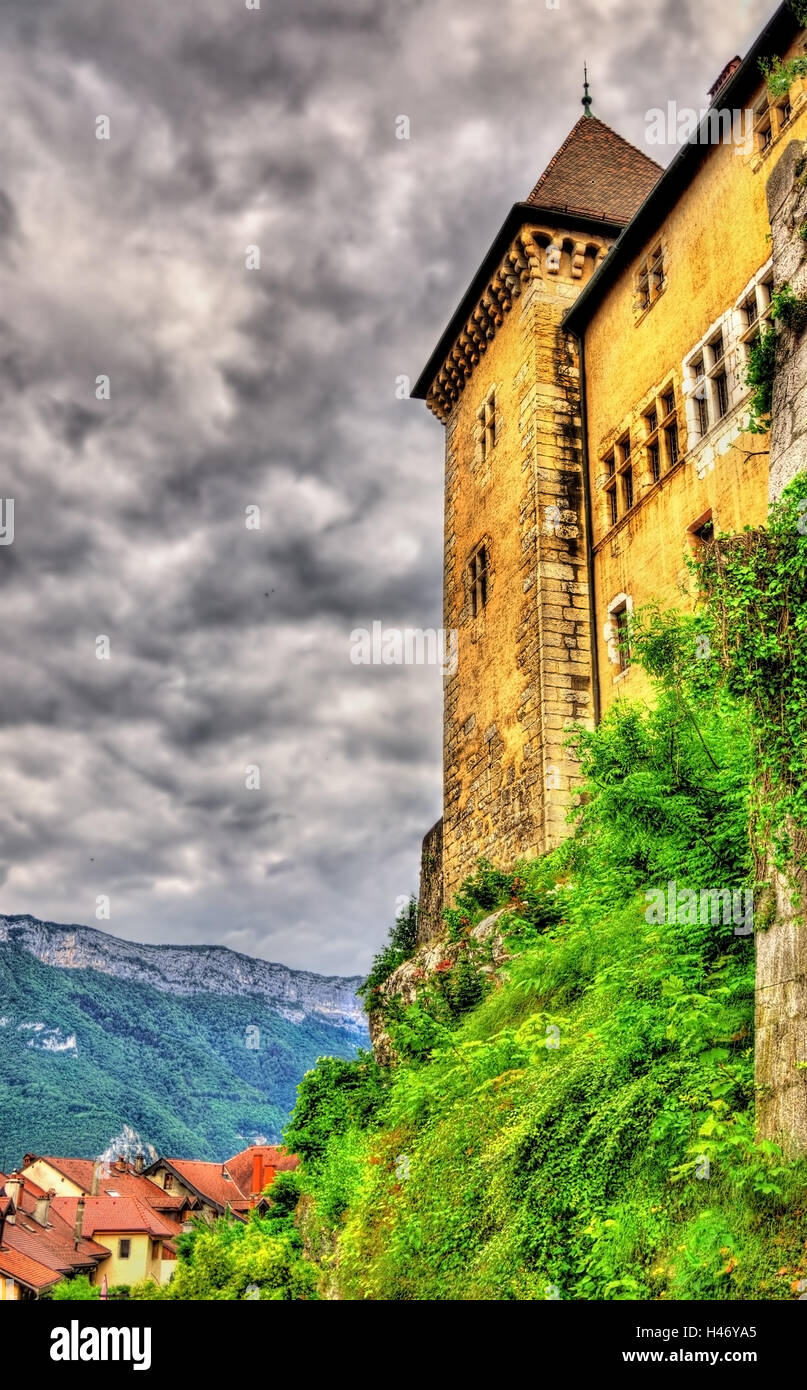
point(113, 1214)
point(596, 173)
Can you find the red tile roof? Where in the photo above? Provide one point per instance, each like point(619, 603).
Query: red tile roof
point(209, 1181)
point(598, 173)
point(113, 1214)
point(119, 1184)
point(33, 1248)
point(230, 1183)
point(272, 1156)
point(25, 1270)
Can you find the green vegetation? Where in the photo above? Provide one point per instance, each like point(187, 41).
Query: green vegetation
point(585, 1130)
point(781, 75)
point(759, 375)
point(176, 1068)
point(401, 941)
point(75, 1290)
point(786, 308)
point(755, 586)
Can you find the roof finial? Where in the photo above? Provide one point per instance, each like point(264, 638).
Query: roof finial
point(586, 98)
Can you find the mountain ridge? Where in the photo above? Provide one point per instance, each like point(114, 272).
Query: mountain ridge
point(295, 994)
point(200, 1049)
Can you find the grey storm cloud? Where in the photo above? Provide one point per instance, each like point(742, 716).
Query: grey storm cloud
point(273, 128)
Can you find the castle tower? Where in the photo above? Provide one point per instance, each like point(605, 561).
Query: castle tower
point(504, 380)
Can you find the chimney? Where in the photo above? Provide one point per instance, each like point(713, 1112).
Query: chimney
point(77, 1229)
point(138, 1163)
point(728, 71)
point(14, 1187)
point(257, 1174)
point(43, 1207)
point(96, 1178)
point(120, 1166)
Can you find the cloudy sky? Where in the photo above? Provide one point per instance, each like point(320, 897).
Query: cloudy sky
point(232, 388)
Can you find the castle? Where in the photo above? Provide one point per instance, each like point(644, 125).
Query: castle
point(593, 388)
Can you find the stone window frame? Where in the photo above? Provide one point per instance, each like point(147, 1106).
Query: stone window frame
point(487, 426)
point(619, 654)
point(665, 435)
point(776, 114)
point(626, 478)
point(772, 116)
point(713, 378)
point(759, 290)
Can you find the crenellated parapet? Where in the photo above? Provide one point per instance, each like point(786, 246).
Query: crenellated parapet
point(536, 254)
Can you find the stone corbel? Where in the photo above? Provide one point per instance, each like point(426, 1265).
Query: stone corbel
point(553, 254)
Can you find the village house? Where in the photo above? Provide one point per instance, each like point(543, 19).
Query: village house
point(38, 1245)
point(238, 1186)
point(118, 1221)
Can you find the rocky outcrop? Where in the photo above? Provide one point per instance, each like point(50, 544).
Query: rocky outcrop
point(181, 970)
point(409, 978)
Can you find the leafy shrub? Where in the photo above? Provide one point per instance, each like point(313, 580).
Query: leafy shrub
point(401, 944)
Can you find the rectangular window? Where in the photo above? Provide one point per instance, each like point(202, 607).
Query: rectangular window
point(722, 394)
point(650, 279)
point(717, 349)
point(620, 618)
point(668, 403)
point(627, 483)
point(654, 461)
point(168, 1183)
point(624, 448)
point(656, 271)
point(613, 506)
point(651, 420)
point(124, 1247)
point(610, 466)
point(671, 438)
point(486, 424)
point(478, 580)
point(763, 132)
point(701, 403)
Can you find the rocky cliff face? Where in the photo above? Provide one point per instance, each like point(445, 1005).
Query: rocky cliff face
point(406, 982)
point(181, 970)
